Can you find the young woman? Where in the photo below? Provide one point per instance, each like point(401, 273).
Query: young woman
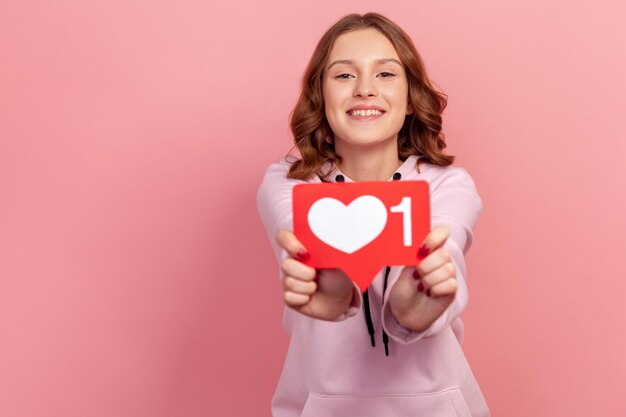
point(368, 112)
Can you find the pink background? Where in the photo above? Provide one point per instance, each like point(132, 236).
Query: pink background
point(135, 276)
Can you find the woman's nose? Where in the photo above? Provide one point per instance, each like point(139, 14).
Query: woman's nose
point(364, 88)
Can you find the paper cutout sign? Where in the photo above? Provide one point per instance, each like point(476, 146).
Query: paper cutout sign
point(361, 227)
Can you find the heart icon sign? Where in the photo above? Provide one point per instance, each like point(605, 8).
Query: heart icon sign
point(361, 227)
point(350, 227)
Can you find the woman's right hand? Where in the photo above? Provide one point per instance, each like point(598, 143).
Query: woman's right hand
point(324, 294)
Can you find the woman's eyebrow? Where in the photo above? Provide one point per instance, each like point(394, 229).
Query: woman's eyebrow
point(351, 62)
point(385, 60)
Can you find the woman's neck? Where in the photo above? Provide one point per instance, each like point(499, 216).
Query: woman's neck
point(370, 164)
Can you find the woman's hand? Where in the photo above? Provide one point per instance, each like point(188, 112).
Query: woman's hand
point(324, 294)
point(422, 294)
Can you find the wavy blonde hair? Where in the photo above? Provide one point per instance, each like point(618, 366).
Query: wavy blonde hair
point(421, 132)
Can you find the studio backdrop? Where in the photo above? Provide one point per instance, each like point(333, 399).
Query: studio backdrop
point(136, 279)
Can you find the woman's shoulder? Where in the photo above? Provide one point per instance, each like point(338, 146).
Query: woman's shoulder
point(445, 177)
point(430, 171)
point(278, 171)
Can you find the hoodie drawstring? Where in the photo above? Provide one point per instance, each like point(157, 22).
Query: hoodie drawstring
point(396, 177)
point(366, 299)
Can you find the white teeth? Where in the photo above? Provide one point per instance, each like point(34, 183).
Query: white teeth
point(369, 112)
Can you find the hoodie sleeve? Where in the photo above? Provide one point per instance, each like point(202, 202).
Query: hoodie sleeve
point(274, 203)
point(455, 203)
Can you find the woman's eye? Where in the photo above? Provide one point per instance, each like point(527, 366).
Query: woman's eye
point(344, 76)
point(387, 74)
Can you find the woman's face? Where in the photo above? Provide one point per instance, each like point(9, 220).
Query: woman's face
point(365, 90)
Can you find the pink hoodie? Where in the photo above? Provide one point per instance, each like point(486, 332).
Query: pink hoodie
point(331, 368)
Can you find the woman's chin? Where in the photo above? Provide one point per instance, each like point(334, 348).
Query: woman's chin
point(364, 142)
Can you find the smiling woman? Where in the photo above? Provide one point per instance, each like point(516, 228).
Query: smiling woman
point(368, 112)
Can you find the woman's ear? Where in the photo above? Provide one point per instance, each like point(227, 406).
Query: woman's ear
point(409, 108)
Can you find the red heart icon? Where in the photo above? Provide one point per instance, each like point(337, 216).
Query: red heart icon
point(361, 227)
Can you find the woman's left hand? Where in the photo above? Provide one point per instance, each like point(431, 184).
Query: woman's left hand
point(422, 294)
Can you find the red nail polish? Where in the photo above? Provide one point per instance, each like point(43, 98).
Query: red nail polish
point(302, 255)
point(416, 274)
point(423, 251)
point(428, 292)
point(420, 287)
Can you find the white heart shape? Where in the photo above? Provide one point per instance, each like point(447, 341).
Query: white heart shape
point(347, 228)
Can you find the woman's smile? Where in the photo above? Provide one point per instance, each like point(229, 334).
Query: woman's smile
point(365, 113)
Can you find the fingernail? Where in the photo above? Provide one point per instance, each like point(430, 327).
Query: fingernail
point(423, 251)
point(302, 255)
point(416, 274)
point(428, 292)
point(420, 287)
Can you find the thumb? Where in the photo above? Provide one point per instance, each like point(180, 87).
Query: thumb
point(436, 238)
point(288, 241)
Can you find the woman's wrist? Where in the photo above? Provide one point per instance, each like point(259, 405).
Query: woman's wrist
point(409, 318)
point(342, 305)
